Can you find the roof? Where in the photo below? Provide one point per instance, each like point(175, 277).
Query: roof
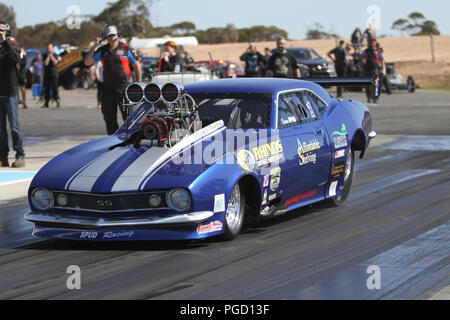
point(254, 85)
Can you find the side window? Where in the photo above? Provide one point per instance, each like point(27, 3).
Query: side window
point(314, 104)
point(287, 111)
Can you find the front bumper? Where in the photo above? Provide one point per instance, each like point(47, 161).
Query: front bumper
point(95, 223)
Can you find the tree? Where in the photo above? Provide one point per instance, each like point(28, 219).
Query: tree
point(318, 32)
point(416, 25)
point(183, 28)
point(8, 15)
point(130, 16)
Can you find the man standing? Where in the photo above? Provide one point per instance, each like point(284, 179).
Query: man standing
point(254, 62)
point(51, 76)
point(282, 64)
point(118, 61)
point(9, 99)
point(23, 77)
point(339, 57)
point(373, 62)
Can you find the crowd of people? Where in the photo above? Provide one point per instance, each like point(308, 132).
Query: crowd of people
point(115, 65)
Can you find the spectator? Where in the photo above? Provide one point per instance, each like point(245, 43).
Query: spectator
point(339, 57)
point(51, 76)
point(36, 69)
point(369, 35)
point(171, 60)
point(356, 70)
point(22, 75)
point(118, 61)
point(9, 99)
point(254, 62)
point(373, 62)
point(189, 63)
point(357, 38)
point(267, 55)
point(282, 64)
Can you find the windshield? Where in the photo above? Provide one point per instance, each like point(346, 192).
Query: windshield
point(304, 54)
point(238, 111)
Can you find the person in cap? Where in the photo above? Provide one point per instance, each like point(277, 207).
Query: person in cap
point(51, 75)
point(171, 59)
point(9, 99)
point(118, 62)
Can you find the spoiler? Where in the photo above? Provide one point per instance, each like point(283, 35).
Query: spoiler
point(374, 83)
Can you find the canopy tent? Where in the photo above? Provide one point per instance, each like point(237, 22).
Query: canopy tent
point(137, 43)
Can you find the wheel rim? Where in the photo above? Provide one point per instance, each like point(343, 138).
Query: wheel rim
point(348, 167)
point(233, 215)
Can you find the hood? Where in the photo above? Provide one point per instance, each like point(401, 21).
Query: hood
point(92, 167)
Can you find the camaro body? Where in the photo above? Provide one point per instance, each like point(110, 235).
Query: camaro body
point(102, 194)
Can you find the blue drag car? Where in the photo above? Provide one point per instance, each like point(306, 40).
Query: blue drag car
point(202, 160)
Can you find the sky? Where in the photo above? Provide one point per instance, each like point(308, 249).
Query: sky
point(294, 16)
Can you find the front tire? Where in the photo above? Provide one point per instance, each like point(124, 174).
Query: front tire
point(348, 181)
point(234, 214)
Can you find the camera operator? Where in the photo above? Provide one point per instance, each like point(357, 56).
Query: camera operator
point(9, 99)
point(118, 61)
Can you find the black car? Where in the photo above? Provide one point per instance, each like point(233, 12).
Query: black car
point(311, 63)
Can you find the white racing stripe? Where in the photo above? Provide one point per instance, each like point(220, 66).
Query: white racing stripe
point(186, 143)
point(85, 180)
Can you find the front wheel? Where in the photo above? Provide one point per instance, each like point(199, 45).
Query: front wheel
point(348, 180)
point(234, 214)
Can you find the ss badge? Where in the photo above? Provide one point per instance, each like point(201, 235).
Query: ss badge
point(104, 204)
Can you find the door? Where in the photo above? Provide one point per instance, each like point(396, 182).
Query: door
point(306, 147)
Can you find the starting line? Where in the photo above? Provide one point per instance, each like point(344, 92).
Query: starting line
point(9, 177)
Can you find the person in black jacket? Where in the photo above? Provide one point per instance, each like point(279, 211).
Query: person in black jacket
point(51, 75)
point(9, 99)
point(171, 59)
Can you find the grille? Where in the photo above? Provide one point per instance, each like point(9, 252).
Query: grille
point(111, 202)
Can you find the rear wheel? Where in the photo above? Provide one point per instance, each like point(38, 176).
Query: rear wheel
point(234, 214)
point(348, 180)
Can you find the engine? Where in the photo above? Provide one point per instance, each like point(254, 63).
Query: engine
point(172, 116)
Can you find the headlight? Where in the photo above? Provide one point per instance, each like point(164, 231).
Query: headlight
point(179, 200)
point(42, 199)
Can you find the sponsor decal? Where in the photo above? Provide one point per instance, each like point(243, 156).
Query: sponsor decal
point(246, 160)
point(88, 235)
point(268, 153)
point(275, 174)
point(341, 133)
point(219, 203)
point(266, 181)
point(333, 187)
point(264, 198)
point(339, 154)
point(301, 197)
point(120, 234)
point(340, 142)
point(209, 228)
point(337, 170)
point(288, 121)
point(272, 197)
point(306, 151)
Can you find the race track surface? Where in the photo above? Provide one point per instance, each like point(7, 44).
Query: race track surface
point(397, 218)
